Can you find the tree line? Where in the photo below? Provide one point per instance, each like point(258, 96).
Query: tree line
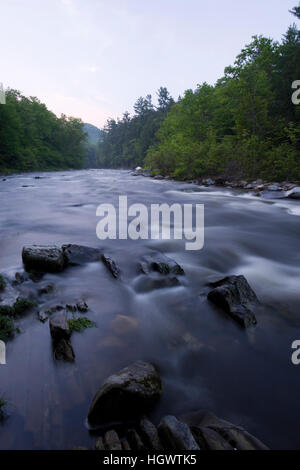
point(34, 138)
point(245, 125)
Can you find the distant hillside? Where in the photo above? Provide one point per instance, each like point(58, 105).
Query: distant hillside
point(94, 134)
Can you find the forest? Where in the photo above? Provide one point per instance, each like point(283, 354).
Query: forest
point(33, 138)
point(246, 125)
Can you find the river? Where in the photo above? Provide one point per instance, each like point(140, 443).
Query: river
point(205, 359)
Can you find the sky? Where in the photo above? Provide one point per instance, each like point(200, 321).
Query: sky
point(93, 58)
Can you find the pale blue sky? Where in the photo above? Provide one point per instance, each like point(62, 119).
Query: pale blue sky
point(94, 58)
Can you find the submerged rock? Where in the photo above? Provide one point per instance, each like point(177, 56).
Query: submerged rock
point(123, 325)
point(43, 258)
point(126, 395)
point(147, 283)
point(160, 263)
point(176, 435)
point(111, 266)
point(79, 254)
point(234, 295)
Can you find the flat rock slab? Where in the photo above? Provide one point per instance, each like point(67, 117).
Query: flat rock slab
point(176, 435)
point(43, 258)
point(78, 254)
point(126, 395)
point(234, 295)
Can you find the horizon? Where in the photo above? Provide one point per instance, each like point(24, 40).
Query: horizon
point(100, 75)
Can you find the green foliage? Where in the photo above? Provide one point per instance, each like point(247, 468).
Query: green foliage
point(23, 304)
point(6, 310)
point(245, 126)
point(33, 138)
point(2, 283)
point(125, 142)
point(7, 328)
point(79, 324)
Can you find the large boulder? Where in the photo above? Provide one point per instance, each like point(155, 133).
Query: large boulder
point(43, 258)
point(176, 435)
point(160, 263)
point(293, 193)
point(126, 395)
point(79, 254)
point(234, 295)
point(213, 433)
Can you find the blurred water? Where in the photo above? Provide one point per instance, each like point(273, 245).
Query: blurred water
point(205, 359)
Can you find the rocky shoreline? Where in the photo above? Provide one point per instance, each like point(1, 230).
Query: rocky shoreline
point(258, 187)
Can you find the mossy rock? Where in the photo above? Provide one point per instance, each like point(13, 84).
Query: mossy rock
point(7, 328)
point(80, 324)
point(6, 310)
point(22, 304)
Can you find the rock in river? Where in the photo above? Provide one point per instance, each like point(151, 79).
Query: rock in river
point(111, 266)
point(43, 258)
point(213, 433)
point(60, 332)
point(63, 351)
point(79, 254)
point(234, 295)
point(160, 263)
point(293, 193)
point(176, 435)
point(59, 326)
point(126, 395)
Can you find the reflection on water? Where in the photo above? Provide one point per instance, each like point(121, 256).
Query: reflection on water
point(205, 359)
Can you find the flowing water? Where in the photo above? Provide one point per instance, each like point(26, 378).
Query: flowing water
point(205, 359)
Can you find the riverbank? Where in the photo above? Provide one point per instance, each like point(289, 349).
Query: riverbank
point(258, 187)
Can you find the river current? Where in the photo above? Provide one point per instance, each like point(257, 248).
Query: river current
point(205, 359)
